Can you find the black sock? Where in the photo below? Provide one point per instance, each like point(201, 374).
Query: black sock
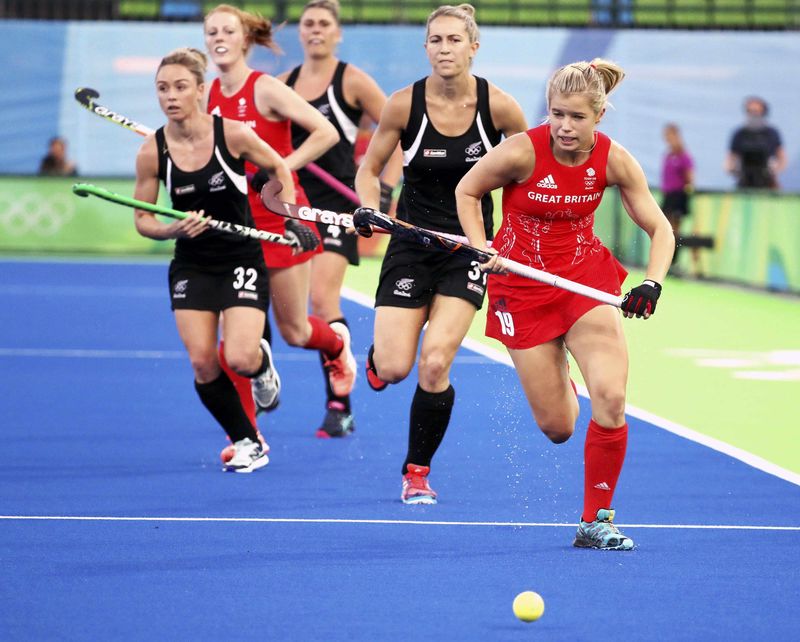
point(430, 415)
point(345, 401)
point(222, 401)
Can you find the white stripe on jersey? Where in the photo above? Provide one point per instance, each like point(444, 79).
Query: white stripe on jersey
point(486, 142)
point(239, 180)
point(169, 175)
point(349, 128)
point(408, 155)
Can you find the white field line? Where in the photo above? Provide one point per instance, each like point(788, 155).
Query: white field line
point(390, 522)
point(665, 424)
point(81, 353)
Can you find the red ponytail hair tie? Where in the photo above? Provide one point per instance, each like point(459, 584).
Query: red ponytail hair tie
point(592, 66)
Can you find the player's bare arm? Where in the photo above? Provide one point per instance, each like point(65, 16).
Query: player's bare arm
point(511, 161)
point(276, 101)
point(146, 189)
point(245, 143)
point(383, 144)
point(361, 90)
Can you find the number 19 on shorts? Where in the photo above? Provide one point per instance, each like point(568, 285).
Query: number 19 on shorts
point(506, 322)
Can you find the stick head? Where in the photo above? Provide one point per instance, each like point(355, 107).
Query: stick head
point(80, 189)
point(269, 197)
point(270, 191)
point(86, 96)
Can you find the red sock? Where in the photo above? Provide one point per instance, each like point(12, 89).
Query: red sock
point(242, 385)
point(603, 455)
point(323, 339)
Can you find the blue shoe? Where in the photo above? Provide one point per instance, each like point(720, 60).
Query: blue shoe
point(602, 533)
point(338, 422)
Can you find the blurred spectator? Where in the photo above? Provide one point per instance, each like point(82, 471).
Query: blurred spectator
point(55, 163)
point(756, 155)
point(612, 13)
point(677, 185)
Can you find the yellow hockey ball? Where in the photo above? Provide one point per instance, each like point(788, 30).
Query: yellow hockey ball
point(528, 606)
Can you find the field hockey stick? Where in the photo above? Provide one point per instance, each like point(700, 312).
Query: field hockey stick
point(87, 97)
point(85, 189)
point(334, 183)
point(269, 197)
point(428, 238)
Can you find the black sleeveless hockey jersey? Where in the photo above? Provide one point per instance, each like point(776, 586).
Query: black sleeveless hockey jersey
point(433, 164)
point(219, 188)
point(338, 160)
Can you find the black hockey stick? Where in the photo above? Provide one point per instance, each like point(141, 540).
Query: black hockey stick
point(269, 197)
point(87, 97)
point(364, 218)
point(85, 189)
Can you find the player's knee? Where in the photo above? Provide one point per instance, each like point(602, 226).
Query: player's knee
point(205, 366)
point(323, 305)
point(392, 371)
point(557, 431)
point(434, 367)
point(609, 401)
point(242, 361)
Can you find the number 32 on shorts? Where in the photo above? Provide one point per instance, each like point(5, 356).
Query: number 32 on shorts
point(245, 278)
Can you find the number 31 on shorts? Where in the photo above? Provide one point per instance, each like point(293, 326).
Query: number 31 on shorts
point(476, 274)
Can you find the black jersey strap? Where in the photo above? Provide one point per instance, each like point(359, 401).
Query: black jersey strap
point(338, 75)
point(222, 146)
point(163, 152)
point(485, 112)
point(353, 114)
point(416, 115)
point(292, 79)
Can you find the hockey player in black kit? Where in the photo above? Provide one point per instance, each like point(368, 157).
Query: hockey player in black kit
point(444, 123)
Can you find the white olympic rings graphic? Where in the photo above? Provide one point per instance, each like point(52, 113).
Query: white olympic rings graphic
point(29, 213)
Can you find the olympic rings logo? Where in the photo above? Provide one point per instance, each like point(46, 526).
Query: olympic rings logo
point(40, 214)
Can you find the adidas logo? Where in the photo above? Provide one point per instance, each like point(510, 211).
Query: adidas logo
point(547, 182)
point(602, 486)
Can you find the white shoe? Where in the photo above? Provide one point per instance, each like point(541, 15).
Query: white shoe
point(266, 386)
point(248, 456)
point(342, 369)
point(227, 453)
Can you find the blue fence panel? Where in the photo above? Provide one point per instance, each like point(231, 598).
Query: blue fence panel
point(696, 79)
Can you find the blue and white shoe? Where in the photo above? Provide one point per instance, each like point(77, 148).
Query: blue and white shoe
point(602, 533)
point(248, 456)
